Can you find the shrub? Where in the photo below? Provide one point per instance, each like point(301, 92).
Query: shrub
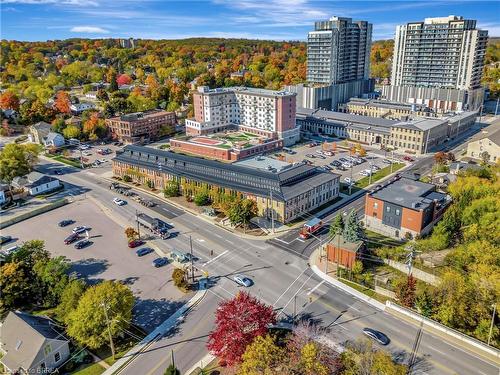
point(201, 199)
point(150, 184)
point(171, 189)
point(179, 278)
point(127, 178)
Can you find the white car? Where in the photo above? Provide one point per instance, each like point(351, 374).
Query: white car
point(375, 168)
point(348, 180)
point(119, 202)
point(243, 280)
point(366, 172)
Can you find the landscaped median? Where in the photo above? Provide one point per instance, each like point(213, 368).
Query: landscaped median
point(365, 181)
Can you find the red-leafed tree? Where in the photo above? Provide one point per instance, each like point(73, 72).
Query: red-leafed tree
point(9, 100)
point(62, 102)
point(238, 322)
point(123, 79)
point(405, 291)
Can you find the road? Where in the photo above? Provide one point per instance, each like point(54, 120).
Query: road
point(282, 279)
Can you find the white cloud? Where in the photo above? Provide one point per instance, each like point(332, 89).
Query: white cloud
point(89, 29)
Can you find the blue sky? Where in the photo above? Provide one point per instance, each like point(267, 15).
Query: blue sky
point(35, 20)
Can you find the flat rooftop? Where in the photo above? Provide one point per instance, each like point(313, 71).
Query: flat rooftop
point(248, 90)
point(264, 163)
point(405, 192)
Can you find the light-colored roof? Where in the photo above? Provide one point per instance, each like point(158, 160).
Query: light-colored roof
point(42, 125)
point(244, 90)
point(23, 335)
point(264, 163)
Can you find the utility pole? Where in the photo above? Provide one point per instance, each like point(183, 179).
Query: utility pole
point(492, 320)
point(414, 351)
point(172, 355)
point(370, 173)
point(192, 260)
point(81, 159)
point(410, 257)
point(111, 344)
point(138, 227)
point(272, 209)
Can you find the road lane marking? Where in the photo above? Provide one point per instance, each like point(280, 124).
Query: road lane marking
point(211, 260)
point(295, 295)
point(316, 287)
point(293, 282)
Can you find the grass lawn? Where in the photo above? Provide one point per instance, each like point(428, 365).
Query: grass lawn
point(224, 146)
point(64, 160)
point(376, 240)
point(369, 292)
point(364, 182)
point(90, 369)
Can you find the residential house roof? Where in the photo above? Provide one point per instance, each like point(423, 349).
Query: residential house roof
point(42, 126)
point(23, 336)
point(52, 136)
point(32, 179)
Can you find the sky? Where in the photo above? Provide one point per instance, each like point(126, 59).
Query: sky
point(39, 20)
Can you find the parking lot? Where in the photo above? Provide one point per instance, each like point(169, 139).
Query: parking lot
point(107, 258)
point(305, 152)
point(91, 154)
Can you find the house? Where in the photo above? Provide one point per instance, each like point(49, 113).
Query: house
point(3, 189)
point(36, 183)
point(10, 114)
point(39, 131)
point(54, 140)
point(92, 95)
point(31, 344)
point(74, 120)
point(486, 148)
point(78, 108)
point(404, 208)
point(344, 253)
point(460, 166)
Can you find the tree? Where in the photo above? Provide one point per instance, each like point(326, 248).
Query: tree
point(94, 126)
point(352, 229)
point(9, 100)
point(237, 323)
point(15, 286)
point(262, 356)
point(131, 233)
point(113, 84)
point(62, 103)
point(405, 291)
point(70, 297)
point(440, 157)
point(123, 79)
point(201, 198)
point(357, 267)
point(171, 370)
point(16, 160)
point(88, 323)
point(179, 278)
point(58, 125)
point(52, 275)
point(337, 226)
point(423, 302)
point(241, 211)
point(71, 131)
point(171, 189)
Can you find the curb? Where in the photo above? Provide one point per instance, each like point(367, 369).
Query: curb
point(208, 358)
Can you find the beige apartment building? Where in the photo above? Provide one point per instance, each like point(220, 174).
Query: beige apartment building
point(486, 148)
point(385, 109)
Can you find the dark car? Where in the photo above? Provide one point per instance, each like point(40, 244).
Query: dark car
point(160, 262)
point(71, 238)
point(83, 243)
point(5, 239)
point(144, 251)
point(58, 172)
point(65, 223)
point(135, 243)
point(189, 257)
point(377, 336)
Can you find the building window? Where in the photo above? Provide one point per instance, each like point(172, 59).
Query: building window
point(388, 209)
point(57, 357)
point(375, 205)
point(47, 349)
point(397, 212)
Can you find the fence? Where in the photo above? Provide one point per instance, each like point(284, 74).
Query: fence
point(417, 273)
point(32, 213)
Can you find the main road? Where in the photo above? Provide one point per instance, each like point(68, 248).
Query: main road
point(282, 279)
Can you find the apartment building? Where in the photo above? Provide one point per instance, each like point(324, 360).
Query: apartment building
point(438, 62)
point(416, 135)
point(281, 191)
point(486, 148)
point(264, 112)
point(142, 126)
point(404, 208)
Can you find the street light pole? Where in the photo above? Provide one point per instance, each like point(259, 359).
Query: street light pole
point(138, 227)
point(111, 344)
point(192, 266)
point(492, 322)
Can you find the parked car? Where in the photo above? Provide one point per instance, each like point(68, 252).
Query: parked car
point(83, 243)
point(340, 168)
point(160, 262)
point(135, 243)
point(119, 202)
point(144, 251)
point(71, 238)
point(58, 172)
point(320, 156)
point(327, 153)
point(386, 161)
point(79, 229)
point(377, 336)
point(348, 180)
point(310, 156)
point(375, 168)
point(335, 163)
point(243, 280)
point(408, 158)
point(65, 223)
point(5, 239)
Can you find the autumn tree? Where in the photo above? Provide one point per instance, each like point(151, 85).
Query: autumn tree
point(262, 356)
point(131, 233)
point(237, 323)
point(123, 79)
point(241, 211)
point(62, 103)
point(405, 291)
point(88, 323)
point(71, 131)
point(9, 100)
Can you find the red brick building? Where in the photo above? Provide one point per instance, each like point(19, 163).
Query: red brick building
point(344, 253)
point(404, 207)
point(142, 126)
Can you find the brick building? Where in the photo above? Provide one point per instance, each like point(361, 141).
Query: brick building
point(344, 253)
point(404, 206)
point(142, 126)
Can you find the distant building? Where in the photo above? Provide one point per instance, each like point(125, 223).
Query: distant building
point(79, 108)
point(415, 135)
point(36, 183)
point(487, 147)
point(31, 344)
point(459, 166)
point(281, 190)
point(128, 43)
point(438, 62)
point(54, 140)
point(39, 131)
point(404, 208)
point(142, 126)
point(263, 112)
point(385, 109)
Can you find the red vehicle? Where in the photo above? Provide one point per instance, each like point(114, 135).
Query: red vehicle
point(311, 227)
point(408, 158)
point(135, 243)
point(71, 238)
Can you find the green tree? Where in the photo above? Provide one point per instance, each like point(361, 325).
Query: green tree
point(16, 160)
point(337, 226)
point(52, 275)
point(241, 211)
point(201, 198)
point(15, 286)
point(357, 267)
point(70, 297)
point(352, 229)
point(171, 370)
point(423, 302)
point(71, 131)
point(172, 189)
point(87, 323)
point(262, 356)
